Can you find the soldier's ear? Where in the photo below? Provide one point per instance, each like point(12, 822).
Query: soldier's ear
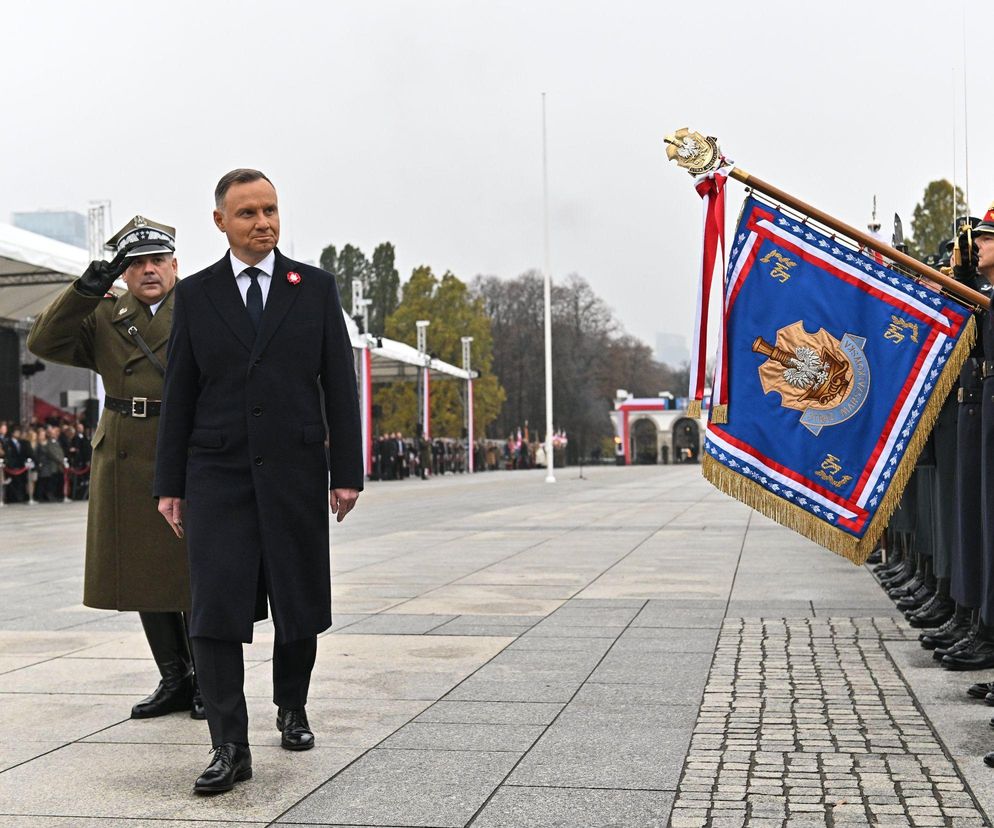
point(219, 220)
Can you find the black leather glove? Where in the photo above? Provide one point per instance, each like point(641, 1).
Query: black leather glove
point(100, 275)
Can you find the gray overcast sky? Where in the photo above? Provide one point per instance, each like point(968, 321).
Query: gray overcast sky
point(420, 122)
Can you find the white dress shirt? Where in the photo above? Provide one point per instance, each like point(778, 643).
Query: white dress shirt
point(243, 280)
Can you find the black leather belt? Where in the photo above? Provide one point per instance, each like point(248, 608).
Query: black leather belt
point(134, 407)
point(986, 368)
point(968, 396)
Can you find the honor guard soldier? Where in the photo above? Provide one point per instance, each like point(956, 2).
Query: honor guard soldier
point(966, 559)
point(133, 561)
point(944, 514)
point(977, 651)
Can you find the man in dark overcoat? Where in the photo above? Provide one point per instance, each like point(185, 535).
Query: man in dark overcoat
point(259, 434)
point(133, 562)
point(17, 452)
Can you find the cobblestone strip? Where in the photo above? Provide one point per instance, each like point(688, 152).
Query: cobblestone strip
point(806, 722)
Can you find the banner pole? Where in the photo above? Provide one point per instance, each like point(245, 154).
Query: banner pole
point(963, 292)
point(700, 154)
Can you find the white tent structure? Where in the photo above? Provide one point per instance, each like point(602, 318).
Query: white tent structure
point(33, 270)
point(381, 360)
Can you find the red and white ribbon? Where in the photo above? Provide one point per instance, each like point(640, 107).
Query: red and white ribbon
point(711, 188)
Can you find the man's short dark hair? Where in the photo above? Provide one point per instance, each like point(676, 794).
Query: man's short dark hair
point(242, 175)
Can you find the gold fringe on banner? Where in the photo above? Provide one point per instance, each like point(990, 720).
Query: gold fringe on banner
point(842, 543)
point(719, 414)
point(694, 409)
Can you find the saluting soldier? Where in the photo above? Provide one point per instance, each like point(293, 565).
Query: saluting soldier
point(133, 561)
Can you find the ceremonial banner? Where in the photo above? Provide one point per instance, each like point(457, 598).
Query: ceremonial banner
point(837, 366)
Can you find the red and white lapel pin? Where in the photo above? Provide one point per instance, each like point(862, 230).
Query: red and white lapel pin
point(293, 277)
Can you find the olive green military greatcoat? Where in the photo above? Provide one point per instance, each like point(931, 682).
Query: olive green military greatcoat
point(133, 559)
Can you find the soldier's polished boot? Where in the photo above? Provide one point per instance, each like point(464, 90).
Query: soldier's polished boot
point(166, 634)
point(923, 594)
point(899, 580)
point(894, 562)
point(900, 573)
point(980, 690)
point(955, 629)
point(937, 611)
point(940, 653)
point(197, 710)
point(978, 655)
point(911, 585)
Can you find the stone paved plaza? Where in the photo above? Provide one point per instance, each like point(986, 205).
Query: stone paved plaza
point(629, 648)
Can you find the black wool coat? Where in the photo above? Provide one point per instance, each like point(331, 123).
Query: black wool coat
point(242, 437)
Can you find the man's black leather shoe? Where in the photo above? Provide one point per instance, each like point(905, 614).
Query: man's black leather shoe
point(166, 698)
point(231, 763)
point(978, 657)
point(989, 760)
point(980, 689)
point(296, 732)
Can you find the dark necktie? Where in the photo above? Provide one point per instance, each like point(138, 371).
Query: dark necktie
point(253, 299)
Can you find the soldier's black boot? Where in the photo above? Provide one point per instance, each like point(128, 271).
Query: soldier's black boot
point(166, 634)
point(900, 572)
point(903, 563)
point(978, 655)
point(923, 594)
point(904, 573)
point(937, 611)
point(957, 627)
point(912, 584)
point(980, 690)
point(940, 653)
point(894, 561)
point(197, 710)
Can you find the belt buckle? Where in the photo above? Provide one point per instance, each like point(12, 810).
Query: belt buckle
point(135, 410)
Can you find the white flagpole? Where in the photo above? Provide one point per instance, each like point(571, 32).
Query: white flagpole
point(550, 476)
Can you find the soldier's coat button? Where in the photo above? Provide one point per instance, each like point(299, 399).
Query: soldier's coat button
point(122, 454)
point(129, 371)
point(258, 461)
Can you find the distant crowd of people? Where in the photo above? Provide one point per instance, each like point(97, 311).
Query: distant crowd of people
point(396, 457)
point(49, 462)
point(44, 462)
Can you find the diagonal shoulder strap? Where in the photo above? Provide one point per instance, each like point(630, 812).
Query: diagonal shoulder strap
point(137, 337)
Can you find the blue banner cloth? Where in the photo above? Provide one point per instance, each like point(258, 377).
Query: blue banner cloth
point(837, 367)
